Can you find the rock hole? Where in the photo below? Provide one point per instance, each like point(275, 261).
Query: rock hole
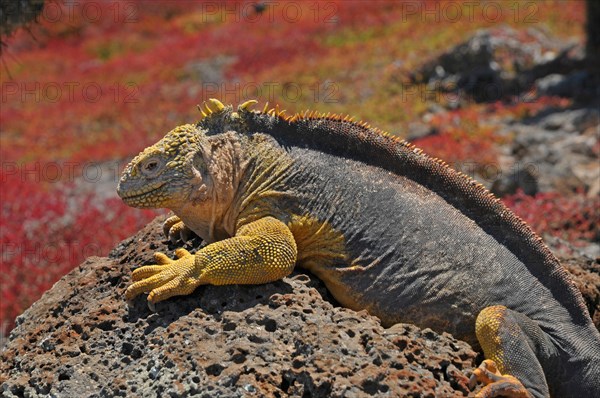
point(136, 353)
point(214, 369)
point(105, 325)
point(397, 365)
point(270, 325)
point(285, 384)
point(239, 357)
point(229, 326)
point(371, 387)
point(401, 344)
point(127, 348)
point(256, 339)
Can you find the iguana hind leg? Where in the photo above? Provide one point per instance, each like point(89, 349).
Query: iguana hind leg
point(514, 346)
point(262, 251)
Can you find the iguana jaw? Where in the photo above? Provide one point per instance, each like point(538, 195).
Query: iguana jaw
point(147, 196)
point(172, 189)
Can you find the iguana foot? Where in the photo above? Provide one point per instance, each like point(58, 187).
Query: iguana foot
point(166, 279)
point(497, 384)
point(175, 229)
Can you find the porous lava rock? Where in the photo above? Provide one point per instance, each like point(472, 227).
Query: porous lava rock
point(288, 338)
point(586, 275)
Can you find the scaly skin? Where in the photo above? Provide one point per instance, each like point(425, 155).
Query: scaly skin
point(387, 228)
point(267, 244)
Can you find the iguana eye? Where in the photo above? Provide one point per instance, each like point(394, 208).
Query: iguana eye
point(150, 167)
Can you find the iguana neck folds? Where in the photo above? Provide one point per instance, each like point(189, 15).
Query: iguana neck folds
point(217, 169)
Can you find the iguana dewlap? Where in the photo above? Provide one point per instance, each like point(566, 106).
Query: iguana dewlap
point(387, 228)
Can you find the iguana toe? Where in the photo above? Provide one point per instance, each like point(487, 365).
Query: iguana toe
point(175, 230)
point(497, 384)
point(151, 270)
point(181, 252)
point(175, 287)
point(161, 259)
point(146, 272)
point(168, 223)
point(166, 279)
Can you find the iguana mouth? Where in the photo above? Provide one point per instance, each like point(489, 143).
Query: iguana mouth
point(145, 190)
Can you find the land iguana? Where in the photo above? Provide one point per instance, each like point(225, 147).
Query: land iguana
point(386, 227)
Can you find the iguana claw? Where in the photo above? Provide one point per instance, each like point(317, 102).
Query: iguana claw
point(497, 384)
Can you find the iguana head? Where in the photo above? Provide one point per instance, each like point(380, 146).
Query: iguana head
point(167, 174)
point(190, 163)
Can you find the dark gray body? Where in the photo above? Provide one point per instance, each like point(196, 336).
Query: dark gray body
point(422, 261)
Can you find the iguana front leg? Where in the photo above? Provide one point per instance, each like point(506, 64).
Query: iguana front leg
point(262, 251)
